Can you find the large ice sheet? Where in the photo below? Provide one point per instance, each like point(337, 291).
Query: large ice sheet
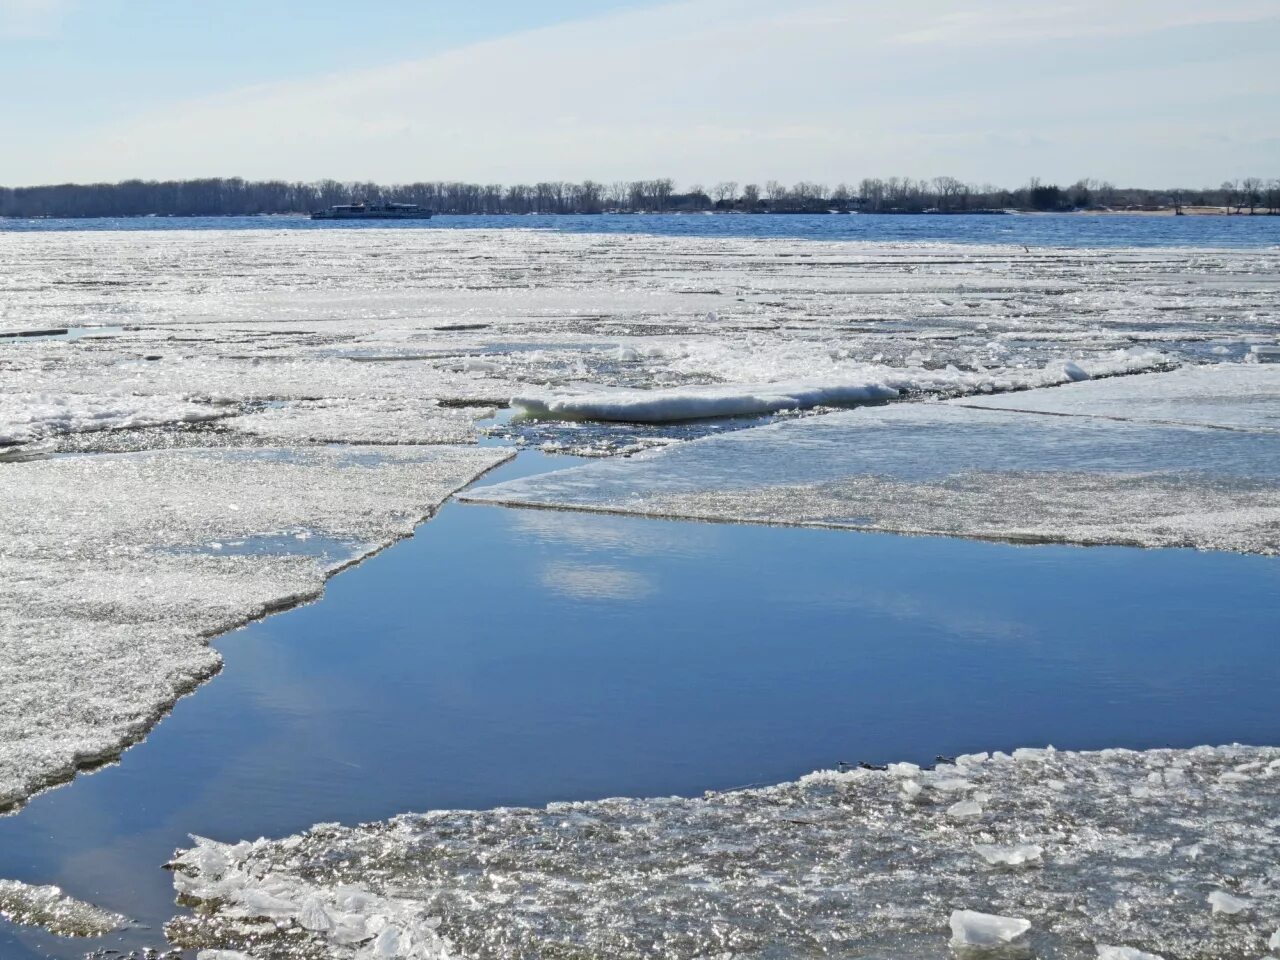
point(1136, 850)
point(950, 468)
point(116, 570)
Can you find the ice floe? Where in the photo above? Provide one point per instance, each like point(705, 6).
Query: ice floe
point(958, 469)
point(116, 570)
point(50, 908)
point(836, 863)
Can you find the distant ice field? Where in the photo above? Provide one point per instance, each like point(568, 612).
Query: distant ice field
point(1066, 230)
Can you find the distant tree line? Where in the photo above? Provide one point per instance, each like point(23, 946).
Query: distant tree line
point(218, 196)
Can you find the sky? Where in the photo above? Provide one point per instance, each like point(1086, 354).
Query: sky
point(1139, 92)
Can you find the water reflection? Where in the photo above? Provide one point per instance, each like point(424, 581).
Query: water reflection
point(519, 657)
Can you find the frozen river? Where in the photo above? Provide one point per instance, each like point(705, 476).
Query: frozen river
point(201, 426)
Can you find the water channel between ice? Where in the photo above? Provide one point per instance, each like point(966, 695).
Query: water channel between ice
point(517, 657)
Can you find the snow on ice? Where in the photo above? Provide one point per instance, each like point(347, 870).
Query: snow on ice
point(50, 908)
point(837, 863)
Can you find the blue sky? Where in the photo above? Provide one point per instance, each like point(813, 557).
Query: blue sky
point(1143, 91)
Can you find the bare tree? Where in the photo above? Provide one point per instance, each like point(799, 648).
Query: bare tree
point(1231, 194)
point(725, 191)
point(1251, 193)
point(1273, 197)
point(946, 187)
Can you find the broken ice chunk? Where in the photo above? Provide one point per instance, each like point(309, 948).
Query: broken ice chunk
point(313, 916)
point(1020, 855)
point(1223, 902)
point(971, 929)
point(259, 903)
point(1274, 942)
point(964, 809)
point(1074, 371)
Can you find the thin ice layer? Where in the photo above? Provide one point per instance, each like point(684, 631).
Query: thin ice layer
point(862, 863)
point(953, 469)
point(115, 571)
point(50, 908)
point(1236, 396)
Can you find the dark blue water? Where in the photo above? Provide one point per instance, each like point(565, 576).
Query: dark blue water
point(1048, 230)
point(519, 657)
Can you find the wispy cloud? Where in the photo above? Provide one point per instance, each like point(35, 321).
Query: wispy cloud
point(1078, 19)
point(717, 89)
point(31, 18)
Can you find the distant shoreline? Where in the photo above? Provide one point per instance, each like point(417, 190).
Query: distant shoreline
point(944, 196)
point(1015, 212)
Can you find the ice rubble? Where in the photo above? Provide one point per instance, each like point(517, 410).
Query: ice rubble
point(50, 908)
point(116, 570)
point(959, 469)
point(836, 863)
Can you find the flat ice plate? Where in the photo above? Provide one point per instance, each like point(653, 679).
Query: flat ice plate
point(951, 468)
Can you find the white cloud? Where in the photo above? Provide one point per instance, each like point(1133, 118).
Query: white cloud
point(29, 18)
point(714, 89)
